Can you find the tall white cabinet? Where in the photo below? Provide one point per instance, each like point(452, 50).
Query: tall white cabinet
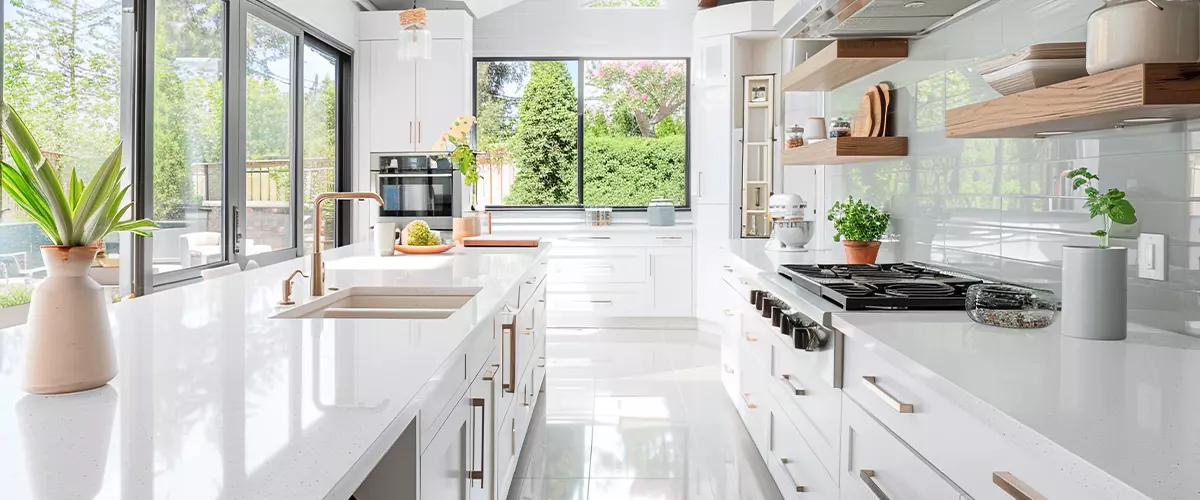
point(407, 105)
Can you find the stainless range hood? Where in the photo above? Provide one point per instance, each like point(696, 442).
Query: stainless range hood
point(877, 18)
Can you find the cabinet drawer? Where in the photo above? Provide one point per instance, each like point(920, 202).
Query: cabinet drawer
point(616, 265)
point(530, 286)
point(814, 407)
point(924, 420)
point(442, 389)
point(597, 299)
point(877, 466)
point(795, 466)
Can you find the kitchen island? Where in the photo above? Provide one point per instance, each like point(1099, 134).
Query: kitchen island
point(217, 399)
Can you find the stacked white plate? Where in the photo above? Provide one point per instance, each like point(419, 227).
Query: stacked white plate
point(1036, 66)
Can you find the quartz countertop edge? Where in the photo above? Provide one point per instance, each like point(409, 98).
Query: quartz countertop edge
point(1055, 397)
point(216, 399)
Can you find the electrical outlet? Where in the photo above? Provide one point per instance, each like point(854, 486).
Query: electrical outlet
point(1152, 256)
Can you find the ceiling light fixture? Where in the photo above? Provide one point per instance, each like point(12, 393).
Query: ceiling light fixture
point(1155, 119)
point(416, 42)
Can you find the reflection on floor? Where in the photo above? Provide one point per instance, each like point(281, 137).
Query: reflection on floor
point(637, 415)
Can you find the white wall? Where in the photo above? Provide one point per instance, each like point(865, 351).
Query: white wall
point(337, 18)
point(545, 28)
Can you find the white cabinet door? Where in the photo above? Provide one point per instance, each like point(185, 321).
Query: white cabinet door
point(875, 464)
point(444, 463)
point(671, 275)
point(711, 145)
point(441, 91)
point(712, 61)
point(481, 461)
point(392, 111)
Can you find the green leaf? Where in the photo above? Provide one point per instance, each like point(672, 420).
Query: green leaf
point(60, 207)
point(135, 226)
point(76, 189)
point(98, 192)
point(1099, 232)
point(20, 140)
point(1079, 182)
point(1122, 212)
point(28, 198)
point(1092, 192)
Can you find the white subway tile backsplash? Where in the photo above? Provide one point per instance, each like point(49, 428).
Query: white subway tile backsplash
point(1003, 207)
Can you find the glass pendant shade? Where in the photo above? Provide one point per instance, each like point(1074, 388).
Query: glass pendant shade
point(415, 44)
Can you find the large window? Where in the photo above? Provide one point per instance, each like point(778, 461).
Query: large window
point(582, 132)
point(62, 73)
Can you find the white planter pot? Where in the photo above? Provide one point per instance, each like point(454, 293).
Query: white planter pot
point(70, 345)
point(1094, 293)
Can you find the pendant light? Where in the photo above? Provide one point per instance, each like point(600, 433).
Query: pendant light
point(416, 42)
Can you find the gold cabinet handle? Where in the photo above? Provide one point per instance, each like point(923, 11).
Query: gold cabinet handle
point(868, 477)
point(1015, 487)
point(473, 474)
point(509, 329)
point(490, 373)
point(786, 462)
point(787, 380)
point(751, 339)
point(746, 399)
point(873, 385)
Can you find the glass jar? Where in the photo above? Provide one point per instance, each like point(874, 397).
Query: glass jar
point(840, 128)
point(1009, 306)
point(795, 136)
point(1128, 32)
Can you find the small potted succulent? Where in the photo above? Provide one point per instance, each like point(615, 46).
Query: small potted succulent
point(858, 226)
point(1094, 280)
point(70, 346)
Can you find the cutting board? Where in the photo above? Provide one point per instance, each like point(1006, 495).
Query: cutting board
point(875, 94)
point(863, 122)
point(886, 92)
point(500, 241)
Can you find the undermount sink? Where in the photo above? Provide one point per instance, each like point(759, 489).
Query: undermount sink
point(375, 302)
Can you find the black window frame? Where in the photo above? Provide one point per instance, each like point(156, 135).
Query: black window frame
point(578, 206)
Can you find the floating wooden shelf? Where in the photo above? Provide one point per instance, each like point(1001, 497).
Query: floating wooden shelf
point(844, 61)
point(1137, 95)
point(845, 150)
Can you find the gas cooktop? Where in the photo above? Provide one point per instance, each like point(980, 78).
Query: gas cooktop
point(910, 285)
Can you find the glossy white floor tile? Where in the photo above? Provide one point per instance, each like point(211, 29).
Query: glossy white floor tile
point(637, 414)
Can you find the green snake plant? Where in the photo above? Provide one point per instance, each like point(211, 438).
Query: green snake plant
point(72, 214)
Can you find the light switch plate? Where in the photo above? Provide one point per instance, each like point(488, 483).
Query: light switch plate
point(1152, 256)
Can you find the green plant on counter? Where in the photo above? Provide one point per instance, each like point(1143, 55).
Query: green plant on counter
point(1110, 205)
point(857, 221)
point(15, 295)
point(76, 216)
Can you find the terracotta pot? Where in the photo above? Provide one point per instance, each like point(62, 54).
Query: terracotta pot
point(861, 252)
point(70, 346)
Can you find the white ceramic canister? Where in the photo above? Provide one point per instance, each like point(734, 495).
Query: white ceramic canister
point(1128, 32)
point(814, 129)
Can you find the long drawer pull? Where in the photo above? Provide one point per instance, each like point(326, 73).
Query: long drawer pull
point(751, 339)
point(600, 301)
point(868, 477)
point(873, 385)
point(511, 329)
point(670, 237)
point(585, 238)
point(1015, 487)
point(786, 462)
point(480, 403)
point(787, 380)
point(746, 399)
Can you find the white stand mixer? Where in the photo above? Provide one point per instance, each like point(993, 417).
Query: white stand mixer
point(789, 231)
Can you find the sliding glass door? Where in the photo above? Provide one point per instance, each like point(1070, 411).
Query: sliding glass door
point(242, 127)
point(270, 205)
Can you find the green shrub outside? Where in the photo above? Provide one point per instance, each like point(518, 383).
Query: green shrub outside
point(630, 171)
point(546, 140)
point(15, 295)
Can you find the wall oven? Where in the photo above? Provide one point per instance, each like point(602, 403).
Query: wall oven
point(417, 186)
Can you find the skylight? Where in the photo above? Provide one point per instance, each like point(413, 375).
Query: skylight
point(621, 4)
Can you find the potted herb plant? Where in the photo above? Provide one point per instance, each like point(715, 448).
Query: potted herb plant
point(1094, 282)
point(858, 226)
point(457, 141)
point(70, 346)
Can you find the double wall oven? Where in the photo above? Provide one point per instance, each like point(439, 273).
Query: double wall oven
point(417, 186)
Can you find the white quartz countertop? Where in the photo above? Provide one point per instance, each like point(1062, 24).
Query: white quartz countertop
point(1128, 408)
point(215, 399)
point(554, 228)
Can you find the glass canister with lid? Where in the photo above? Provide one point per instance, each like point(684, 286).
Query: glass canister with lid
point(840, 128)
point(795, 136)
